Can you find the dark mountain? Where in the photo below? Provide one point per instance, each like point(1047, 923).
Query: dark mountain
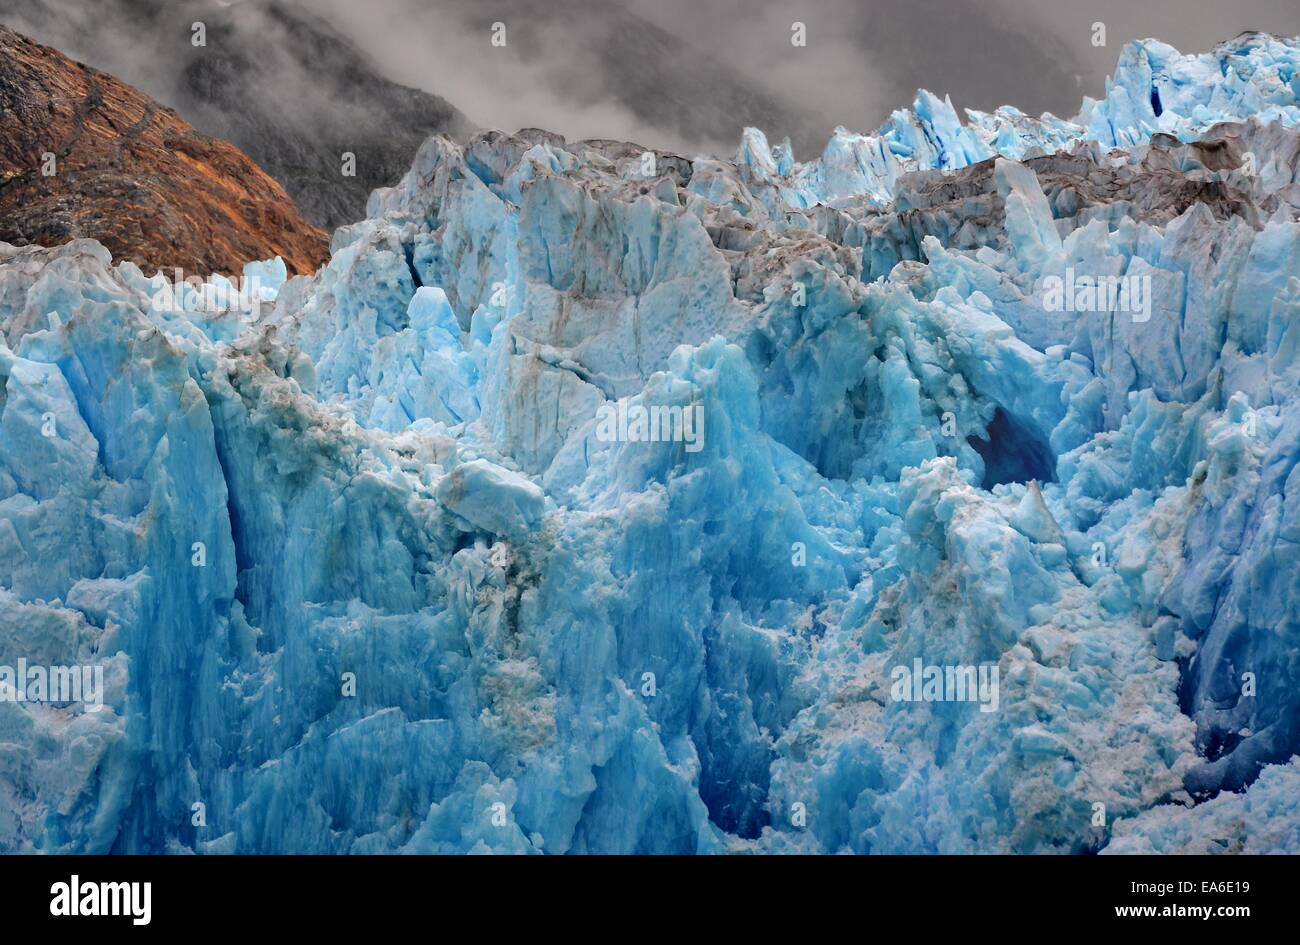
point(83, 155)
point(271, 77)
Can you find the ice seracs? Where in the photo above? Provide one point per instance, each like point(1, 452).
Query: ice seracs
point(440, 608)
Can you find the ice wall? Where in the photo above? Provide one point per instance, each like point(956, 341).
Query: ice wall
point(385, 562)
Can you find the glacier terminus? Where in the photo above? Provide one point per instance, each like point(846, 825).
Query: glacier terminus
point(935, 495)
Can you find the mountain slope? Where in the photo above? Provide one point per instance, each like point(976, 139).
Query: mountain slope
point(131, 174)
point(272, 78)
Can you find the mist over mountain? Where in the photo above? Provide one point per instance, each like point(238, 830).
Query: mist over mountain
point(85, 156)
point(272, 78)
point(276, 78)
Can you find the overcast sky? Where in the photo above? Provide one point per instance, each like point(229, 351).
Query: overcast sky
point(688, 74)
point(863, 57)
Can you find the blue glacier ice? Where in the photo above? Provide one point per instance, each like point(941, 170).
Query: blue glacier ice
point(415, 554)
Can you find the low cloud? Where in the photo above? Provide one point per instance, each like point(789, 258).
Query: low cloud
point(688, 74)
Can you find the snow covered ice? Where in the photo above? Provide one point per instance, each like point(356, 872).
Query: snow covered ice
point(364, 574)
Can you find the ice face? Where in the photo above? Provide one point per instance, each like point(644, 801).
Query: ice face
point(936, 495)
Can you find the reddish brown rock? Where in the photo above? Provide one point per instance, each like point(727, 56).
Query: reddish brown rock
point(132, 174)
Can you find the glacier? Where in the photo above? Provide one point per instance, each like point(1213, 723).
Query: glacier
point(363, 575)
